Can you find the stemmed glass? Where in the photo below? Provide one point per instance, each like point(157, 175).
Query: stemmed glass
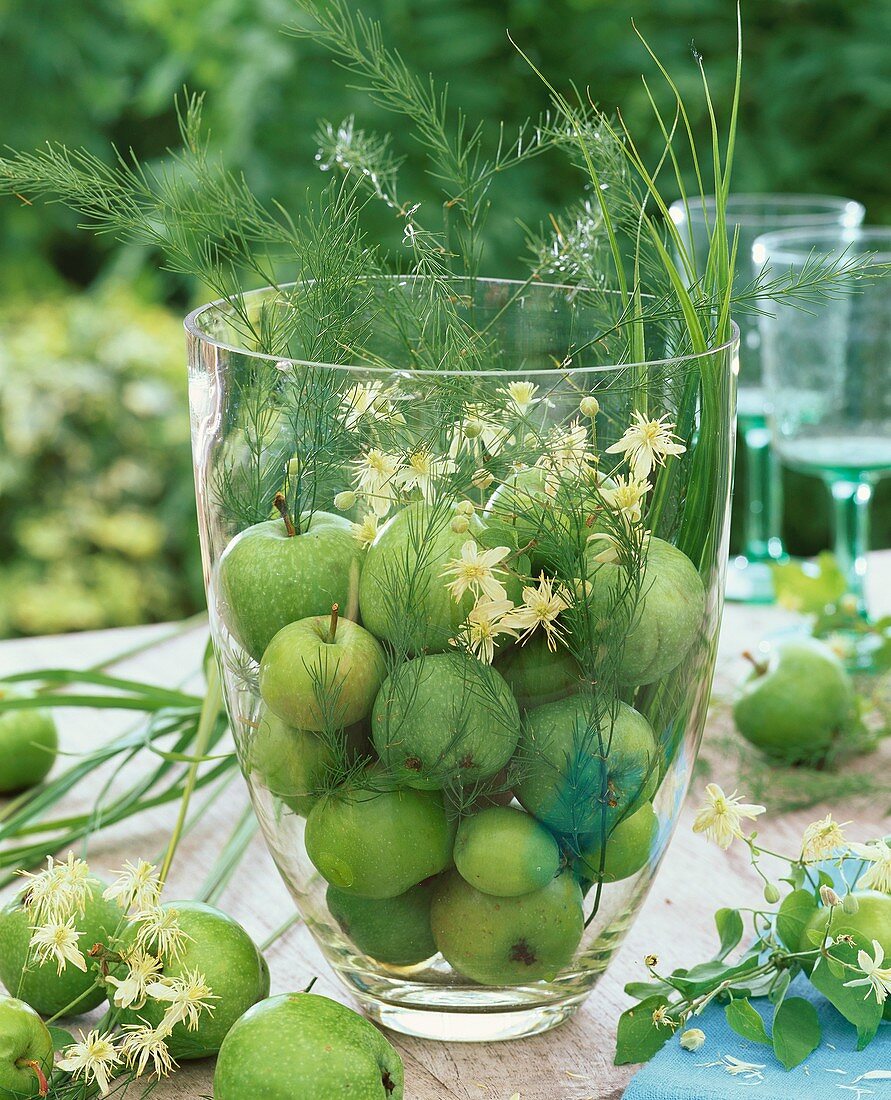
point(827, 371)
point(749, 577)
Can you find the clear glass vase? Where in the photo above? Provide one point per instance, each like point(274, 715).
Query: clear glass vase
point(466, 622)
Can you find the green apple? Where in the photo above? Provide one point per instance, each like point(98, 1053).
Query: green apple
point(29, 744)
point(504, 851)
point(322, 672)
point(379, 843)
point(391, 930)
point(536, 675)
point(403, 595)
point(42, 987)
point(232, 966)
point(300, 1046)
point(664, 623)
point(628, 848)
point(507, 941)
point(26, 1051)
point(579, 775)
point(444, 717)
point(268, 578)
point(293, 764)
point(796, 703)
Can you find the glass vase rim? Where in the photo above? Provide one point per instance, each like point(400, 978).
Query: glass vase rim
point(777, 205)
point(799, 244)
point(191, 323)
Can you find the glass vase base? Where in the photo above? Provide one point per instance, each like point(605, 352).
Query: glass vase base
point(470, 1025)
point(749, 581)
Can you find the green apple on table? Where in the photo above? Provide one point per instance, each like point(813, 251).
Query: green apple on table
point(504, 851)
point(322, 672)
point(668, 616)
point(300, 1046)
point(379, 843)
point(391, 930)
point(26, 1051)
point(796, 702)
point(42, 987)
point(507, 941)
point(232, 966)
point(279, 571)
point(579, 779)
point(444, 716)
point(29, 744)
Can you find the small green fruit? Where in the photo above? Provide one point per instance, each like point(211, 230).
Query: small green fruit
point(299, 1046)
point(666, 620)
point(314, 681)
point(378, 844)
point(42, 987)
point(26, 1051)
point(628, 848)
point(507, 941)
point(536, 675)
point(391, 930)
point(797, 703)
point(268, 579)
point(505, 852)
point(233, 967)
point(444, 717)
point(29, 744)
point(579, 777)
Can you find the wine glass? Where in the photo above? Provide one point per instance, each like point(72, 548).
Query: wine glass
point(827, 371)
point(749, 578)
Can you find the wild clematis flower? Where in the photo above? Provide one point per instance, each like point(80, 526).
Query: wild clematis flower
point(138, 885)
point(94, 1058)
point(540, 608)
point(646, 444)
point(366, 531)
point(377, 478)
point(143, 1044)
point(482, 627)
point(58, 941)
point(187, 998)
point(158, 931)
point(142, 970)
point(476, 572)
point(876, 976)
point(878, 876)
point(821, 839)
point(720, 818)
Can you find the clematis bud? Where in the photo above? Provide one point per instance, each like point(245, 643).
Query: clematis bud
point(465, 508)
point(482, 479)
point(589, 406)
point(473, 429)
point(828, 896)
point(850, 905)
point(344, 501)
point(771, 893)
point(460, 524)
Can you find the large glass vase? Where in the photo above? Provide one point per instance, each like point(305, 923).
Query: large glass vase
point(466, 622)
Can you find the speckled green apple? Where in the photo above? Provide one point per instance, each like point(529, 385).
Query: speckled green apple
point(667, 618)
point(29, 744)
point(796, 702)
point(268, 578)
point(578, 776)
point(444, 717)
point(507, 941)
point(322, 672)
point(292, 764)
point(504, 851)
point(26, 1051)
point(395, 931)
point(628, 848)
point(220, 949)
point(43, 987)
point(379, 843)
point(536, 675)
point(300, 1046)
point(403, 596)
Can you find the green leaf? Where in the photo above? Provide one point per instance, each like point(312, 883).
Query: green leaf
point(746, 1021)
point(778, 992)
point(60, 1037)
point(816, 936)
point(638, 1038)
point(730, 930)
point(641, 990)
point(865, 1013)
point(835, 968)
point(796, 1031)
point(704, 977)
point(792, 917)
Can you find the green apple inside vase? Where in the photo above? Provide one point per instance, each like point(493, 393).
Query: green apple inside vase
point(504, 851)
point(283, 570)
point(395, 931)
point(26, 1051)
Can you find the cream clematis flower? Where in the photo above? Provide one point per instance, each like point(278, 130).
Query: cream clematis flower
point(366, 531)
point(377, 478)
point(646, 444)
point(876, 976)
point(95, 1058)
point(521, 396)
point(187, 997)
point(143, 1044)
point(131, 991)
point(720, 818)
point(625, 496)
point(58, 941)
point(158, 931)
point(488, 620)
point(422, 471)
point(475, 572)
point(138, 885)
point(821, 839)
point(540, 608)
point(878, 853)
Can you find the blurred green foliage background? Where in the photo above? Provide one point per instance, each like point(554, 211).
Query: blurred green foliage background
point(95, 484)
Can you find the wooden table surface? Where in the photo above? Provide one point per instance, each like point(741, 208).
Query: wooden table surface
point(574, 1062)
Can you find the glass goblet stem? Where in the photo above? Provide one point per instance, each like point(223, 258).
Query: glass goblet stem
point(851, 501)
point(762, 541)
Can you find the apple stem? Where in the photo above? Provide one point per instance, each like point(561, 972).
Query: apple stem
point(335, 615)
point(42, 1083)
point(282, 505)
point(759, 666)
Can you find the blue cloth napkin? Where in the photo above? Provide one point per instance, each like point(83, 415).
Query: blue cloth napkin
point(830, 1073)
